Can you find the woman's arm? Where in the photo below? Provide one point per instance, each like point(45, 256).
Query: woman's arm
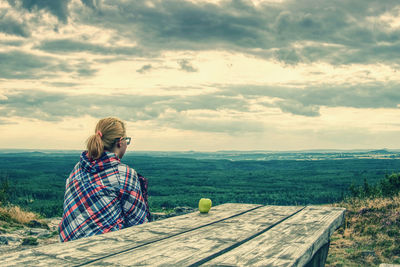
point(133, 203)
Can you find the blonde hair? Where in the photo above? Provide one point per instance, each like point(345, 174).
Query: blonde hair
point(107, 130)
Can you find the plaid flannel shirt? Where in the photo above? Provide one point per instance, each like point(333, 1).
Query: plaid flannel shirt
point(101, 195)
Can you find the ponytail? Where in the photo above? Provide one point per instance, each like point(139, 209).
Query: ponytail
point(107, 130)
point(95, 146)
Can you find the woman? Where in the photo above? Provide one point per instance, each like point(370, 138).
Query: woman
point(102, 194)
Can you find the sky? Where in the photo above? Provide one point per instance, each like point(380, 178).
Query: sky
point(201, 75)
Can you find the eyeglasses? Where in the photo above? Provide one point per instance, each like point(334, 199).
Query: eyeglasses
point(128, 139)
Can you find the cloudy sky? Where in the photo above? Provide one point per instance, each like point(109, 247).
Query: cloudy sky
point(201, 75)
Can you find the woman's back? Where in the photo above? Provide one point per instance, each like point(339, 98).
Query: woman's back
point(101, 195)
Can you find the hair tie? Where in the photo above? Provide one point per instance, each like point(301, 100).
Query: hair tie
point(99, 133)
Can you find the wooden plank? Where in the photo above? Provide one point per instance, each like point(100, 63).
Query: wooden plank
point(87, 249)
point(291, 243)
point(28, 257)
point(191, 247)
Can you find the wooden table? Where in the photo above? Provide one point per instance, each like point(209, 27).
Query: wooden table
point(229, 235)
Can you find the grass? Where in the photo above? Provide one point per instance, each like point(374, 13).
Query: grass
point(13, 218)
point(370, 234)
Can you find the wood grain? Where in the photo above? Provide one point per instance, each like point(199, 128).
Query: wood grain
point(229, 235)
point(191, 247)
point(291, 243)
point(87, 249)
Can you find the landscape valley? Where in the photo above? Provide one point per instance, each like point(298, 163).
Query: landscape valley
point(32, 187)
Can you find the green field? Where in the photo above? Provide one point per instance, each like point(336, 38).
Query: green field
point(37, 180)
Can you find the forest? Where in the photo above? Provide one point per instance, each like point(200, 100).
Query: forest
point(36, 180)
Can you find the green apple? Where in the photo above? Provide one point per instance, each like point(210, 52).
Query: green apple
point(204, 205)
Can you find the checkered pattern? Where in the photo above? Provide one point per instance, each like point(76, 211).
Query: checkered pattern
point(101, 195)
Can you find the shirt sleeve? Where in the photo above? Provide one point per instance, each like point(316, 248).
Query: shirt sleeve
point(133, 205)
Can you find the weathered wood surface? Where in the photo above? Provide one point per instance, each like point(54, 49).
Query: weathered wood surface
point(230, 235)
point(290, 243)
point(191, 247)
point(87, 249)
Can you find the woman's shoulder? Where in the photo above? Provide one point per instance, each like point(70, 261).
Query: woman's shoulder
point(125, 170)
point(128, 178)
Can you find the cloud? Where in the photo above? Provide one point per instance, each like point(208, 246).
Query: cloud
point(174, 111)
point(11, 26)
point(58, 8)
point(91, 3)
point(215, 102)
point(307, 101)
point(54, 106)
point(16, 65)
point(336, 32)
point(180, 24)
point(85, 71)
point(63, 84)
point(297, 108)
point(7, 122)
point(213, 124)
point(288, 56)
point(186, 66)
point(12, 43)
point(368, 95)
point(204, 112)
point(144, 68)
point(291, 32)
point(21, 65)
point(75, 46)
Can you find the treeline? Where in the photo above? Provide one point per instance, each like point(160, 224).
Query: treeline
point(387, 187)
point(37, 181)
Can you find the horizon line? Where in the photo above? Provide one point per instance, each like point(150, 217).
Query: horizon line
point(215, 151)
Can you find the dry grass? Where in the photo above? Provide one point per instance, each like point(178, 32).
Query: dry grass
point(370, 234)
point(17, 215)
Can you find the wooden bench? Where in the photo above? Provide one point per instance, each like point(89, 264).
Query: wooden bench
point(229, 235)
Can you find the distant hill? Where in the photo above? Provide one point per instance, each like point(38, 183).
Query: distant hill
point(233, 155)
point(275, 155)
point(381, 151)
